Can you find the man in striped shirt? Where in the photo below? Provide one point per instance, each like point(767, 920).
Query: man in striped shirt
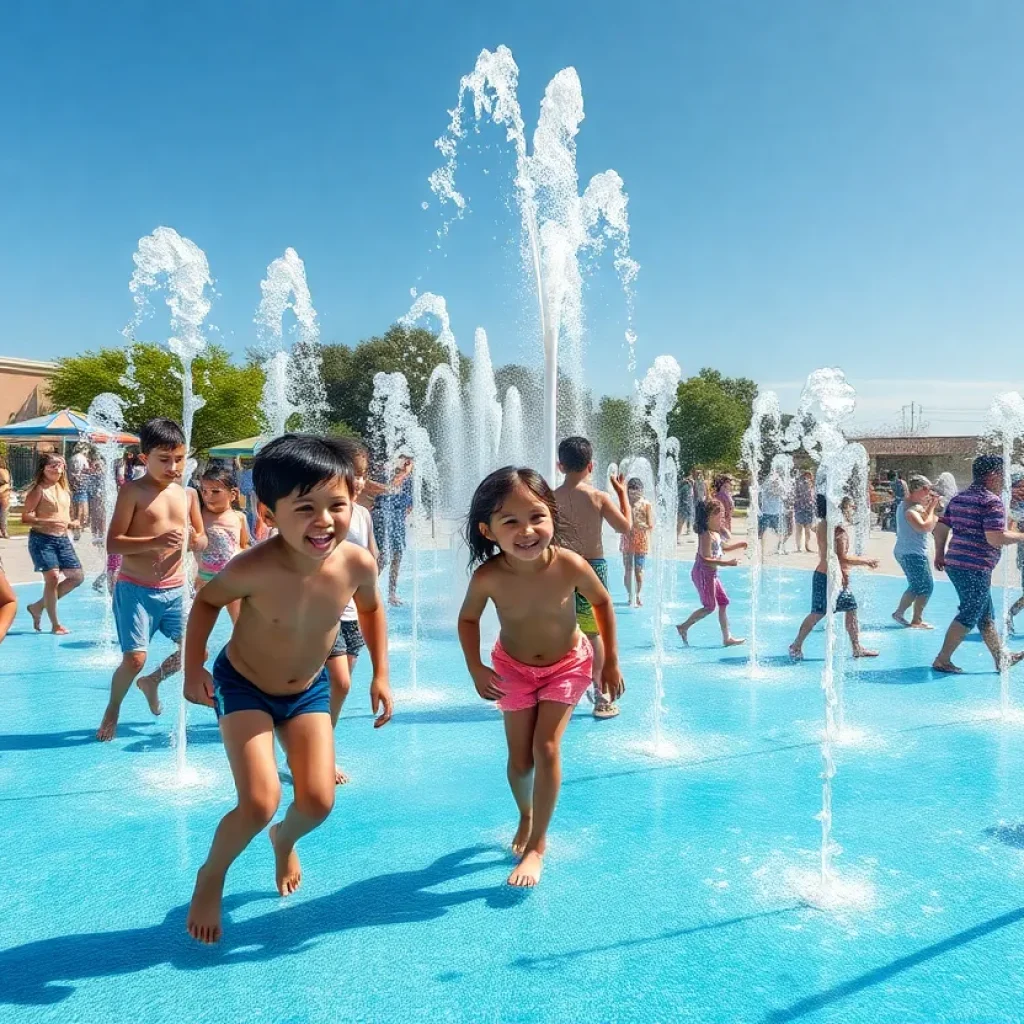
point(976, 519)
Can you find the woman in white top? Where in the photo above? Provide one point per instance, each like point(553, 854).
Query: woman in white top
point(342, 660)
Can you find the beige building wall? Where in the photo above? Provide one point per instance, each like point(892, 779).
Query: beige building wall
point(23, 388)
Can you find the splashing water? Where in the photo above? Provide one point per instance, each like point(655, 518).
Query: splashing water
point(293, 382)
point(430, 305)
point(166, 261)
point(513, 432)
point(558, 224)
point(1006, 418)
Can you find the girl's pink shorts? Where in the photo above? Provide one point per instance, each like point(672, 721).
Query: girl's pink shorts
point(709, 587)
point(526, 686)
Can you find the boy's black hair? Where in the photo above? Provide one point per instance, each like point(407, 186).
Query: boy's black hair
point(299, 462)
point(983, 465)
point(634, 482)
point(487, 499)
point(160, 433)
point(821, 505)
point(575, 454)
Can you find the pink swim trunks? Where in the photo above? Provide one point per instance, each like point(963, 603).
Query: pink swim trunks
point(526, 686)
point(709, 587)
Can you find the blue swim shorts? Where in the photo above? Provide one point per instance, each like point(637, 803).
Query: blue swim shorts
point(918, 571)
point(139, 612)
point(769, 521)
point(233, 692)
point(49, 552)
point(845, 601)
point(974, 589)
point(639, 561)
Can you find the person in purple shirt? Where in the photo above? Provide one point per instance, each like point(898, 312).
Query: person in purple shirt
point(976, 519)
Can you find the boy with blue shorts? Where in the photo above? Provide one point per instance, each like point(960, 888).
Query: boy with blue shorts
point(271, 676)
point(148, 529)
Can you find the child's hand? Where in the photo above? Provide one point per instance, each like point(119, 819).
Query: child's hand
point(198, 688)
point(74, 524)
point(380, 699)
point(612, 684)
point(486, 680)
point(618, 483)
point(731, 562)
point(872, 563)
point(170, 539)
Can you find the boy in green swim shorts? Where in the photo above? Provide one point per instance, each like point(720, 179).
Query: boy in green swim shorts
point(584, 511)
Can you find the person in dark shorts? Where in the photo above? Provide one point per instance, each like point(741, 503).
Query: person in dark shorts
point(391, 509)
point(916, 517)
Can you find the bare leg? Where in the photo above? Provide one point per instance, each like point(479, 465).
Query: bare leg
point(519, 728)
point(728, 640)
point(339, 672)
point(684, 627)
point(249, 742)
point(627, 565)
point(8, 605)
point(396, 564)
point(148, 683)
point(639, 584)
point(906, 600)
point(796, 648)
point(1015, 609)
point(954, 638)
point(994, 643)
point(603, 707)
point(917, 619)
point(552, 719)
point(131, 665)
point(853, 629)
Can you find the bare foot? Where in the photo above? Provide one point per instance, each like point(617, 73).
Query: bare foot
point(394, 600)
point(203, 922)
point(522, 836)
point(1012, 658)
point(921, 625)
point(527, 872)
point(340, 778)
point(36, 611)
point(899, 618)
point(60, 630)
point(795, 653)
point(108, 727)
point(148, 685)
point(733, 641)
point(639, 601)
point(863, 652)
point(946, 666)
point(682, 635)
point(289, 871)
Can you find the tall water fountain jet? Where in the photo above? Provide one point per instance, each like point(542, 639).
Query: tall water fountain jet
point(484, 409)
point(1006, 419)
point(513, 432)
point(293, 382)
point(558, 224)
point(659, 391)
point(398, 432)
point(166, 260)
point(430, 305)
point(762, 435)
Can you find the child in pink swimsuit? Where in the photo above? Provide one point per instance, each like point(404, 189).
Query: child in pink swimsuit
point(711, 546)
point(542, 662)
point(226, 529)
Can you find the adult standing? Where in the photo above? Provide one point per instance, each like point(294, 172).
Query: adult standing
point(248, 493)
point(803, 511)
point(771, 498)
point(976, 519)
point(723, 492)
point(5, 497)
point(700, 488)
point(916, 517)
point(78, 478)
point(391, 510)
point(684, 515)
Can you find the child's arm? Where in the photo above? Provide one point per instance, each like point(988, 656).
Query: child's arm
point(704, 546)
point(485, 679)
point(244, 540)
point(197, 539)
point(650, 517)
point(733, 545)
point(373, 549)
point(120, 522)
point(941, 536)
point(619, 519)
point(230, 584)
point(846, 559)
point(28, 511)
point(373, 624)
point(600, 600)
point(8, 605)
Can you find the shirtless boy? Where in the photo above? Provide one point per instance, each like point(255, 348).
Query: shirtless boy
point(584, 510)
point(148, 529)
point(271, 677)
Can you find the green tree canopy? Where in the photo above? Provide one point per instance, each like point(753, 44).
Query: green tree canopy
point(232, 392)
point(709, 420)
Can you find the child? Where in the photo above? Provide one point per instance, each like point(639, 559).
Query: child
point(226, 530)
point(584, 510)
point(636, 543)
point(8, 603)
point(293, 588)
point(542, 662)
point(151, 518)
point(710, 529)
point(47, 511)
point(342, 660)
point(845, 601)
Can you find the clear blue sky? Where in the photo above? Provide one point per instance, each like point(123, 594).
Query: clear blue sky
point(810, 182)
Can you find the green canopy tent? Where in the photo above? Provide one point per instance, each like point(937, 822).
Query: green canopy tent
point(237, 449)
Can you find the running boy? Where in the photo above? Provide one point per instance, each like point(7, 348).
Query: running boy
point(845, 601)
point(293, 589)
point(584, 510)
point(148, 529)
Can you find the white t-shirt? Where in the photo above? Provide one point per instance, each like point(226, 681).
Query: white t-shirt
point(359, 532)
point(79, 463)
point(771, 497)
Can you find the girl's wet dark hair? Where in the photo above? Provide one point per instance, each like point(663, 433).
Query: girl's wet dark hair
point(222, 473)
point(300, 462)
point(821, 506)
point(488, 498)
point(703, 512)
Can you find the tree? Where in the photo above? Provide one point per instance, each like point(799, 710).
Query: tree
point(709, 420)
point(741, 388)
point(615, 432)
point(232, 393)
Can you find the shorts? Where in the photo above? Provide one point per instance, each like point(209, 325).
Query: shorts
point(685, 514)
point(918, 571)
point(639, 561)
point(845, 601)
point(139, 612)
point(769, 521)
point(80, 498)
point(49, 552)
point(233, 692)
point(526, 686)
point(974, 589)
point(584, 612)
point(348, 641)
point(205, 575)
point(709, 587)
point(804, 517)
point(389, 530)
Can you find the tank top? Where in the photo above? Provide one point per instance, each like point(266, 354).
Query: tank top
point(358, 533)
point(908, 540)
point(716, 552)
point(53, 513)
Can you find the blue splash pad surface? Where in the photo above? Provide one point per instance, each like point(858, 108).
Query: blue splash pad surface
point(672, 889)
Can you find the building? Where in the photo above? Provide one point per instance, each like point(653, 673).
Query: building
point(928, 455)
point(23, 388)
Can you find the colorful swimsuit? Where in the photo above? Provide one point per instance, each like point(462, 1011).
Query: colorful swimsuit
point(222, 545)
